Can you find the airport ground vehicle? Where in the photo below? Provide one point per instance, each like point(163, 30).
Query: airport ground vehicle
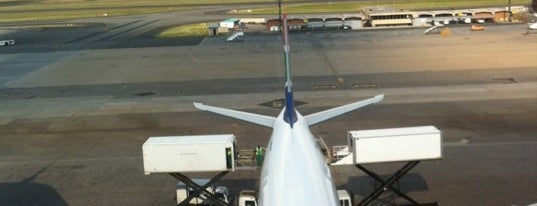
point(9, 42)
point(390, 19)
point(344, 198)
point(247, 198)
point(183, 192)
point(477, 27)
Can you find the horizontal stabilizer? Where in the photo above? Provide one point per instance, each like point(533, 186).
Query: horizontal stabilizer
point(334, 112)
point(245, 116)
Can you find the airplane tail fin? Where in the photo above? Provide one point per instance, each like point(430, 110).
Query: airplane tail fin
point(290, 113)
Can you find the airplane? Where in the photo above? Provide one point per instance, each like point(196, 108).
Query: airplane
point(294, 171)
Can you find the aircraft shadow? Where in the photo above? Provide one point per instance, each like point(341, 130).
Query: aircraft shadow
point(29, 193)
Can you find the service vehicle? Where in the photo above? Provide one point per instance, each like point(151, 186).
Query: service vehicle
point(344, 198)
point(477, 27)
point(9, 42)
point(247, 198)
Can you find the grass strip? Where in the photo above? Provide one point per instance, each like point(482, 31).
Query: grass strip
point(81, 13)
point(334, 7)
point(188, 30)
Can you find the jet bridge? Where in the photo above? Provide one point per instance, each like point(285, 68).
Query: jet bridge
point(410, 144)
point(176, 155)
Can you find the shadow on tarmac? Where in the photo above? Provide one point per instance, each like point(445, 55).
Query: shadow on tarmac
point(27, 192)
point(365, 185)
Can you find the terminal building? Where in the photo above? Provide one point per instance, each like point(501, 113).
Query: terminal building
point(391, 17)
point(315, 23)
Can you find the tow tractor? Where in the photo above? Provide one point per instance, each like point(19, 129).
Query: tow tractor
point(477, 27)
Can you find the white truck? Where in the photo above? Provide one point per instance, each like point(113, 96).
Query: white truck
point(9, 42)
point(183, 192)
point(344, 198)
point(247, 198)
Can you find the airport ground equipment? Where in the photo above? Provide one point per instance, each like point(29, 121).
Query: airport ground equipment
point(247, 198)
point(236, 36)
point(183, 192)
point(434, 28)
point(344, 198)
point(7, 42)
point(176, 155)
point(477, 27)
point(409, 144)
point(445, 32)
point(197, 153)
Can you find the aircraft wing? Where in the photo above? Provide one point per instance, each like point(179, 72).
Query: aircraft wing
point(334, 112)
point(266, 121)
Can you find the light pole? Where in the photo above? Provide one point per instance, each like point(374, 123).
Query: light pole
point(280, 14)
point(510, 13)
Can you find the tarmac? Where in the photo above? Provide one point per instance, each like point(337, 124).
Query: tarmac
point(79, 102)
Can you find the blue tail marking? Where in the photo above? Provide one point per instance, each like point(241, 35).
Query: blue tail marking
point(290, 113)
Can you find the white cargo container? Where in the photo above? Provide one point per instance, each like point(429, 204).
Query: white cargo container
point(203, 153)
point(395, 144)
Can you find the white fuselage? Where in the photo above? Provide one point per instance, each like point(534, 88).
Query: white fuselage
point(294, 171)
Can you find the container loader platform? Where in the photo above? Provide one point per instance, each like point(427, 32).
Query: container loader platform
point(410, 144)
point(179, 155)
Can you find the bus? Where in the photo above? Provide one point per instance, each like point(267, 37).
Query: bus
point(390, 19)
